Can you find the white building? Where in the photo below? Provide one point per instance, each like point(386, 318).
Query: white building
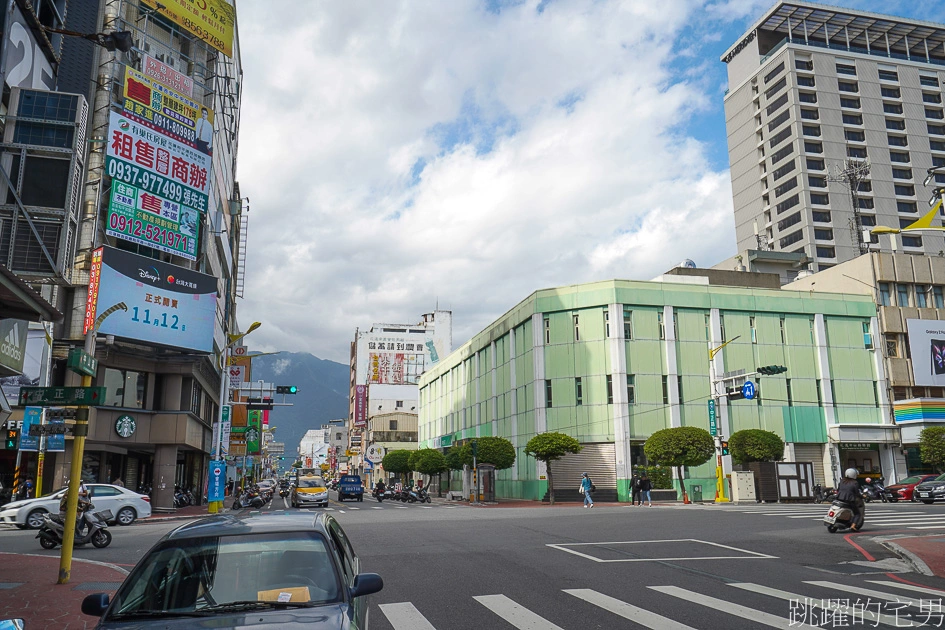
point(313, 448)
point(812, 86)
point(386, 364)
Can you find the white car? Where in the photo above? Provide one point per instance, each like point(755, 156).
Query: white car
point(125, 505)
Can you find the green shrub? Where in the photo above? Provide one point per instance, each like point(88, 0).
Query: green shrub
point(660, 476)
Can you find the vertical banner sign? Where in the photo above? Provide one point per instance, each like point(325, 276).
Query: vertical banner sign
point(95, 275)
point(216, 482)
point(360, 405)
point(254, 418)
point(226, 430)
point(31, 416)
point(235, 373)
point(713, 424)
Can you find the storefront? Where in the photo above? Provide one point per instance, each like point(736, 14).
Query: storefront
point(912, 417)
point(874, 450)
point(863, 456)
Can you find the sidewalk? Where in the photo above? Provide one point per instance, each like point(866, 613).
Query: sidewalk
point(929, 550)
point(30, 592)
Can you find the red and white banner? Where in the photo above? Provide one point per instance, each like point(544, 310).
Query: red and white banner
point(360, 405)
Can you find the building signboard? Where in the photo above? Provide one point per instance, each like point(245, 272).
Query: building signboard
point(13, 343)
point(154, 105)
point(253, 431)
point(212, 21)
point(146, 219)
point(56, 442)
point(156, 163)
point(236, 372)
point(167, 305)
point(360, 405)
point(32, 365)
point(166, 75)
point(216, 484)
point(91, 302)
point(24, 63)
point(28, 441)
point(927, 346)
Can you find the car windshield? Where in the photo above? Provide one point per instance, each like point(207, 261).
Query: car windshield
point(211, 575)
point(909, 480)
point(939, 478)
point(311, 483)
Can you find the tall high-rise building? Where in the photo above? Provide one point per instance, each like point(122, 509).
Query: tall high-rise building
point(834, 117)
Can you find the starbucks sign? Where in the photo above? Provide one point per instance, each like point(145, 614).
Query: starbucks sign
point(125, 426)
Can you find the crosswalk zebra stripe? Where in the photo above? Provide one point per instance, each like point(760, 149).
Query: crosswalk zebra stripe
point(519, 616)
point(377, 508)
point(908, 587)
point(937, 522)
point(405, 616)
point(864, 591)
point(401, 507)
point(643, 617)
point(354, 508)
point(818, 602)
point(723, 606)
point(929, 527)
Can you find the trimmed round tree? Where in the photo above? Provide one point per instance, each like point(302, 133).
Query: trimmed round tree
point(429, 462)
point(489, 450)
point(932, 446)
point(549, 447)
point(678, 447)
point(454, 458)
point(756, 445)
point(397, 461)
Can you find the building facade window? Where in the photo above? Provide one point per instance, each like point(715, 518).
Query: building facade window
point(790, 395)
point(578, 391)
point(610, 389)
point(547, 323)
point(783, 335)
point(125, 388)
point(577, 327)
point(627, 323)
point(921, 296)
point(680, 389)
point(631, 390)
point(661, 325)
point(606, 323)
point(902, 295)
point(548, 400)
point(665, 384)
point(939, 296)
point(754, 332)
point(393, 425)
point(892, 345)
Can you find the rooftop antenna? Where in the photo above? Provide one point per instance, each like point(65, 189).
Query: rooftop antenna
point(852, 174)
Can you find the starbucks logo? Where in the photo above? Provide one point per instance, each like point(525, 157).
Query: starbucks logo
point(125, 426)
point(252, 435)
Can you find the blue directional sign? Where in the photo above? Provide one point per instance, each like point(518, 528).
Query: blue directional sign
point(748, 390)
point(216, 487)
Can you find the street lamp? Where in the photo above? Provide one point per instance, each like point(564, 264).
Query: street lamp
point(80, 430)
point(214, 506)
point(716, 408)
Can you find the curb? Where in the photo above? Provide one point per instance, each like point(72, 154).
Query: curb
point(107, 565)
point(909, 557)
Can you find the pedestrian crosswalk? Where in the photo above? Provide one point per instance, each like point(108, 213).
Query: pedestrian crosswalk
point(878, 515)
point(809, 603)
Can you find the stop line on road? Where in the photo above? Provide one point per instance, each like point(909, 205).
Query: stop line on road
point(898, 605)
point(876, 516)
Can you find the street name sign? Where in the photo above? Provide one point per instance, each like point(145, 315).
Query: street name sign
point(56, 396)
point(713, 428)
point(82, 362)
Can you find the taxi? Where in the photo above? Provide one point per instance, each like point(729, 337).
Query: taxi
point(309, 490)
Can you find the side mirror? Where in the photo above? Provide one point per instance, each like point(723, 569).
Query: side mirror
point(12, 624)
point(95, 604)
point(366, 584)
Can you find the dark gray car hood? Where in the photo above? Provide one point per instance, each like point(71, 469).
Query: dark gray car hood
point(321, 618)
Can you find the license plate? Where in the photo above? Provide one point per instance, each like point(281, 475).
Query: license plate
point(923, 494)
point(830, 519)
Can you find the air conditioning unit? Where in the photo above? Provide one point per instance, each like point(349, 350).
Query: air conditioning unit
point(43, 151)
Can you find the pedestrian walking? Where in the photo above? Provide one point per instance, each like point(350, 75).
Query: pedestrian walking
point(587, 487)
point(635, 489)
point(645, 487)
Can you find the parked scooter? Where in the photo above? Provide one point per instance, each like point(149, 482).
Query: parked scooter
point(840, 516)
point(420, 495)
point(824, 495)
point(874, 491)
point(91, 527)
point(249, 499)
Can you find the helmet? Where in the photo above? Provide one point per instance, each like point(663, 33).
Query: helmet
point(868, 480)
point(850, 473)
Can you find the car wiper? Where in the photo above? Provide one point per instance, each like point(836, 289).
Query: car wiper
point(157, 613)
point(254, 605)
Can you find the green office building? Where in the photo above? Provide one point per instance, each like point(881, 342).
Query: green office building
point(610, 363)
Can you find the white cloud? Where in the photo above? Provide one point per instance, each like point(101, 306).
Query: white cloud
point(551, 151)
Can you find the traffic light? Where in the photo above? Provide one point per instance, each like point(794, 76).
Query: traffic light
point(256, 404)
point(724, 447)
point(287, 389)
point(771, 370)
point(13, 438)
point(734, 393)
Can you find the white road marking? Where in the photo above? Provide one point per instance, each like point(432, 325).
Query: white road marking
point(818, 602)
point(908, 587)
point(637, 615)
point(427, 507)
point(519, 616)
point(377, 508)
point(354, 508)
point(341, 511)
point(750, 555)
point(405, 616)
point(865, 591)
point(723, 606)
point(401, 507)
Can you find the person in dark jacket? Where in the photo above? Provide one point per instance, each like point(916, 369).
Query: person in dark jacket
point(849, 492)
point(635, 489)
point(645, 487)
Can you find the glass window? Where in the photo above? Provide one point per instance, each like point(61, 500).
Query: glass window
point(821, 216)
point(902, 295)
point(578, 391)
point(885, 299)
point(899, 156)
point(889, 92)
point(902, 173)
point(820, 199)
point(856, 152)
point(843, 68)
point(679, 389)
point(921, 295)
point(907, 191)
point(888, 75)
point(908, 207)
point(577, 331)
point(892, 345)
point(610, 389)
point(547, 330)
point(847, 86)
point(892, 108)
point(631, 389)
point(754, 332)
point(852, 119)
point(826, 252)
point(813, 147)
point(896, 125)
point(606, 323)
point(200, 574)
point(897, 141)
point(548, 394)
point(911, 241)
point(665, 391)
point(627, 323)
point(849, 103)
point(938, 296)
point(662, 327)
point(814, 164)
point(125, 388)
point(822, 234)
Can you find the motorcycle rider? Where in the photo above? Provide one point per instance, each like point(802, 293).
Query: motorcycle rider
point(848, 491)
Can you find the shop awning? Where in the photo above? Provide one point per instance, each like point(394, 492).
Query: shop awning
point(864, 433)
point(19, 301)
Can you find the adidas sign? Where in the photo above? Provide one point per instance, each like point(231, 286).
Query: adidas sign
point(11, 344)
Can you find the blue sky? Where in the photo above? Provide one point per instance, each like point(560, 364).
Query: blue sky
point(403, 155)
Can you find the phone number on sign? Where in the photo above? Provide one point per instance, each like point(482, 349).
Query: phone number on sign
point(156, 184)
point(134, 227)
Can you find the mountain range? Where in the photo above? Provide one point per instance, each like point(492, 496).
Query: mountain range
point(322, 394)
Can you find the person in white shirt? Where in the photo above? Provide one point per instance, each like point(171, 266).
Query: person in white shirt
point(204, 131)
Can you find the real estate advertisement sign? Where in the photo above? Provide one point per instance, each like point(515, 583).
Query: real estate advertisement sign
point(153, 104)
point(210, 20)
point(156, 163)
point(166, 75)
point(167, 305)
point(927, 346)
point(140, 217)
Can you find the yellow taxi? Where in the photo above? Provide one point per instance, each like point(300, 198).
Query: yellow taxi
point(309, 490)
